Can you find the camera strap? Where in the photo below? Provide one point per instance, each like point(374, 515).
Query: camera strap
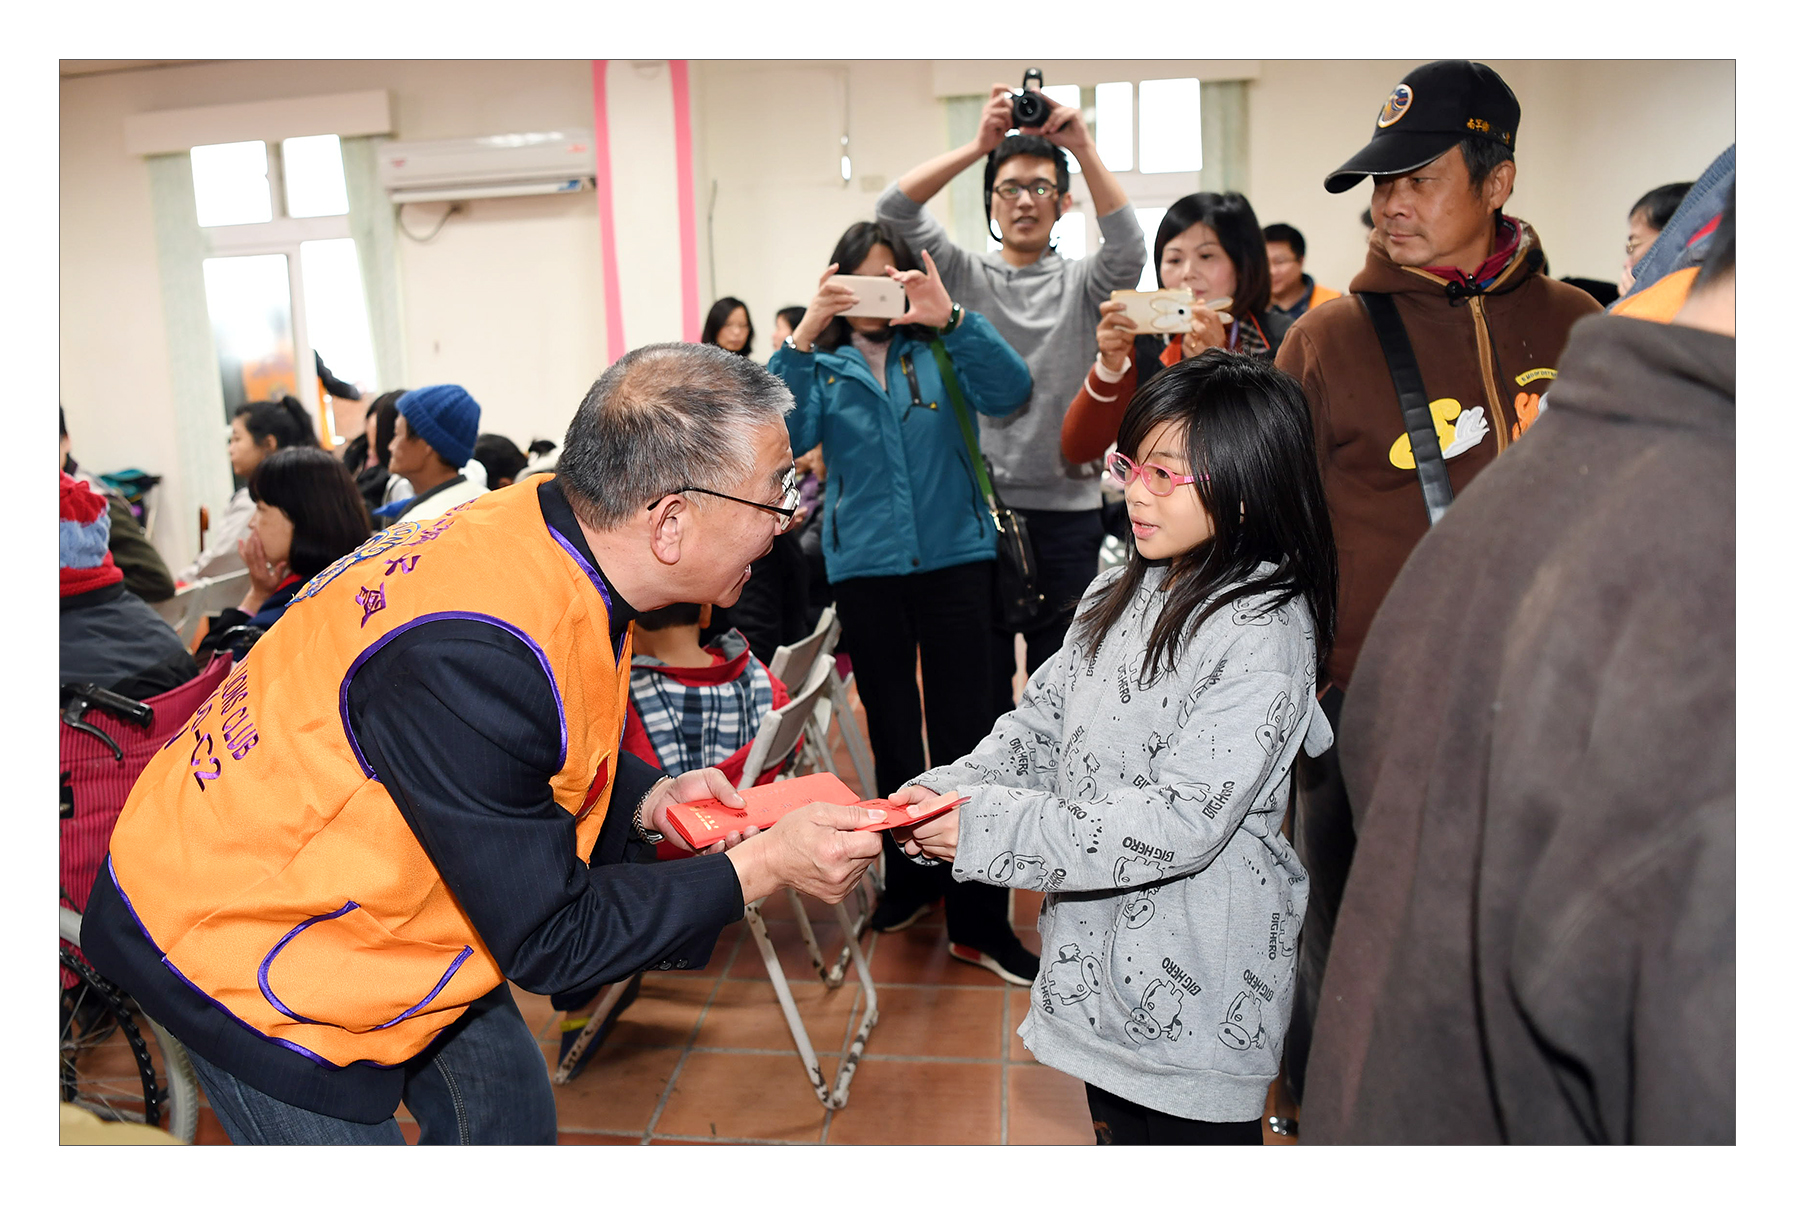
point(1411, 395)
point(952, 383)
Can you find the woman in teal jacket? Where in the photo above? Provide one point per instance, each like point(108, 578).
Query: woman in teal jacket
point(907, 540)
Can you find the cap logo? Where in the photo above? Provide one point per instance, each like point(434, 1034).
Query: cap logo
point(1400, 99)
point(1478, 124)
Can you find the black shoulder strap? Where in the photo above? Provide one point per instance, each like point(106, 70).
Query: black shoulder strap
point(1430, 465)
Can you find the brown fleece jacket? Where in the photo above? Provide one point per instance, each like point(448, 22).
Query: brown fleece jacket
point(1494, 354)
point(1536, 943)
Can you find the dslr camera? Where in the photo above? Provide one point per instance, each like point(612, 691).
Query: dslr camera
point(1028, 107)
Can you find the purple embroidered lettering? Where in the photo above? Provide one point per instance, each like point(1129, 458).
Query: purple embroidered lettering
point(370, 601)
point(402, 564)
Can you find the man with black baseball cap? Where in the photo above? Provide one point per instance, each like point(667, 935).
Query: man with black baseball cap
point(1452, 301)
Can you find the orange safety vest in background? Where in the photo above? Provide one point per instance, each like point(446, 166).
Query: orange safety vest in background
point(268, 865)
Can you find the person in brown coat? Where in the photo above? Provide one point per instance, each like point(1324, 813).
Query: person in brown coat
point(1537, 943)
point(1487, 327)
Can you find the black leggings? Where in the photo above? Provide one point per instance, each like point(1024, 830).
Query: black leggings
point(1121, 1122)
point(947, 614)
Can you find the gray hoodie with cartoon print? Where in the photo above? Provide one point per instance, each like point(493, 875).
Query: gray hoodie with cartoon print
point(1150, 815)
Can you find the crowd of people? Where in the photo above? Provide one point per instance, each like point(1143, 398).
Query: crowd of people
point(1389, 770)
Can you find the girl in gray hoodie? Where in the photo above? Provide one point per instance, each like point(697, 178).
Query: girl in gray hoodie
point(1142, 779)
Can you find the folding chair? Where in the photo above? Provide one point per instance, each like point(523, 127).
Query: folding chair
point(196, 600)
point(794, 662)
point(777, 737)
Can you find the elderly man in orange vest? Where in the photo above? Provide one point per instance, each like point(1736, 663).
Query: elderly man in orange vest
point(411, 791)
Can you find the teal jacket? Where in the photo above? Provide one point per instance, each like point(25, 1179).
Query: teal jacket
point(900, 496)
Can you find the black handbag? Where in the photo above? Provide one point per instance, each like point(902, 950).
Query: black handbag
point(1020, 603)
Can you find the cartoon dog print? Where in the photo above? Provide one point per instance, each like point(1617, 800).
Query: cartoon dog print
point(1242, 1028)
point(1157, 1017)
point(1006, 866)
point(1070, 977)
point(1250, 612)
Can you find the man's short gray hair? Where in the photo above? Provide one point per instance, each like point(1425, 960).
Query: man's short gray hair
point(666, 416)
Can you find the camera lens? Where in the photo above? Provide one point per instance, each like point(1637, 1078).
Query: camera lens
point(1028, 108)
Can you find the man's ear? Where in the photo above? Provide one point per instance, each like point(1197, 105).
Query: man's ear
point(1065, 203)
point(667, 529)
point(704, 616)
point(1499, 185)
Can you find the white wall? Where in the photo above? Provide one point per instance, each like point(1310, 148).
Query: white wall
point(508, 299)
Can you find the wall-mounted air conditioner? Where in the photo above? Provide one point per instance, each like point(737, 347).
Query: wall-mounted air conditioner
point(501, 165)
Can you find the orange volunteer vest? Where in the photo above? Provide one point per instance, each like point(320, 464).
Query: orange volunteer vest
point(270, 867)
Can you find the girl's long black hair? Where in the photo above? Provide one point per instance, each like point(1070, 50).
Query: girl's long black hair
point(1246, 425)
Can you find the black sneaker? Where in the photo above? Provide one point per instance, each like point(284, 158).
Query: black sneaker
point(1010, 961)
point(572, 1027)
point(894, 915)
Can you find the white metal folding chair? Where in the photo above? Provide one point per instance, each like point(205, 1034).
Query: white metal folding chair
point(796, 661)
point(196, 600)
point(777, 737)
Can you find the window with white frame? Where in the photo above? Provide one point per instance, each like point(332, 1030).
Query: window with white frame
point(283, 281)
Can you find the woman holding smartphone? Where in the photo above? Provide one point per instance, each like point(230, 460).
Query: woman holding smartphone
point(1211, 244)
point(908, 542)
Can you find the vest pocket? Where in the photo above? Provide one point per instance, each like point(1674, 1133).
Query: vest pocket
point(345, 969)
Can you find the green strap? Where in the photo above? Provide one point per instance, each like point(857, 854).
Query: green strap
point(966, 430)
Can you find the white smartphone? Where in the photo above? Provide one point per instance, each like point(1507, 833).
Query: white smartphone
point(875, 297)
point(1163, 311)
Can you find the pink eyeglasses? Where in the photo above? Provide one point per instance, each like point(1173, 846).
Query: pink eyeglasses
point(1122, 470)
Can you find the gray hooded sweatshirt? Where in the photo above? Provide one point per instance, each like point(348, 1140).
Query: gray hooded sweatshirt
point(1150, 815)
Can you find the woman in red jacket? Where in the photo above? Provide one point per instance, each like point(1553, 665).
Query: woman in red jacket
point(1211, 244)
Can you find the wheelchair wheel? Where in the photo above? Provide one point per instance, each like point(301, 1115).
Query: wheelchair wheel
point(105, 1064)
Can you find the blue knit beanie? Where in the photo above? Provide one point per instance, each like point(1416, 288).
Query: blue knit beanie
point(446, 417)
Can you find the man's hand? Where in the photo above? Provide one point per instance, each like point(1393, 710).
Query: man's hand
point(694, 786)
point(814, 849)
point(832, 297)
point(1115, 335)
point(994, 120)
point(929, 303)
point(1065, 127)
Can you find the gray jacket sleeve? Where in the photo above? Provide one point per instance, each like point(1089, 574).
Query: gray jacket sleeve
point(1239, 733)
point(918, 227)
point(1119, 261)
point(1023, 747)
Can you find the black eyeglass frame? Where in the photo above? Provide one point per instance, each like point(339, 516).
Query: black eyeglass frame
point(785, 513)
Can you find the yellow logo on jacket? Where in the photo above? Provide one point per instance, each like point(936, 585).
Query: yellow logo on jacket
point(1459, 430)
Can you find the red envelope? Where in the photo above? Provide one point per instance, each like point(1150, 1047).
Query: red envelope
point(897, 817)
point(704, 824)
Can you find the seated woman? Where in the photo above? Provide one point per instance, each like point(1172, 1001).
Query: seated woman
point(1211, 244)
point(307, 514)
point(908, 542)
point(258, 430)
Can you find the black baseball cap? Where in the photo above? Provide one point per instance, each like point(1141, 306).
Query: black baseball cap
point(1429, 113)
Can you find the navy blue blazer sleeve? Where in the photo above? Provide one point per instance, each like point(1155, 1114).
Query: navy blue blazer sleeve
point(458, 721)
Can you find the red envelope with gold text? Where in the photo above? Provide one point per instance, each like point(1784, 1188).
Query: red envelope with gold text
point(709, 822)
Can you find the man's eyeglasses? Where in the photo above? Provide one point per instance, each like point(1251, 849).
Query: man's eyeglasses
point(787, 510)
point(1122, 470)
point(1009, 191)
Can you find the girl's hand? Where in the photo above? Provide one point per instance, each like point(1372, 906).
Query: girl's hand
point(1206, 331)
point(929, 302)
point(1115, 335)
point(938, 837)
point(832, 297)
point(263, 577)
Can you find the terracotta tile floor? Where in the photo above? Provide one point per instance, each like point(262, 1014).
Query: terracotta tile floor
point(705, 1057)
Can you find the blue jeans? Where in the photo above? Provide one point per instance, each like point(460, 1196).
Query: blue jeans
point(483, 1081)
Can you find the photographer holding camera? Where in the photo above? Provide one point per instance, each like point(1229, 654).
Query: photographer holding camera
point(1045, 307)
